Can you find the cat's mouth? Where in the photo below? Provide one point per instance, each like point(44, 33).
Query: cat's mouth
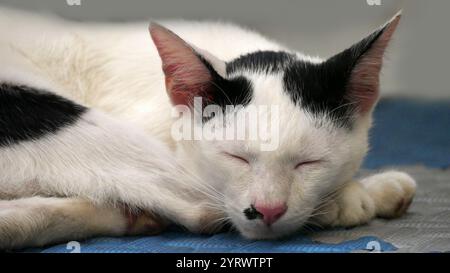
point(249, 222)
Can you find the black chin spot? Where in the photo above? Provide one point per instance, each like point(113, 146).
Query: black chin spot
point(251, 213)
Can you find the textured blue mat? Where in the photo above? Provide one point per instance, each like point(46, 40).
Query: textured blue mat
point(181, 242)
point(405, 133)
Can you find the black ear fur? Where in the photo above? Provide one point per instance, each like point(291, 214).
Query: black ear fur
point(361, 65)
point(188, 74)
point(344, 85)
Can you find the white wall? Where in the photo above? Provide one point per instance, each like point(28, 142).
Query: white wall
point(416, 65)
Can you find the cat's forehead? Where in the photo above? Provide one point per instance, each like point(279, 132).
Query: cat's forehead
point(277, 97)
point(308, 82)
point(275, 75)
point(276, 119)
point(268, 74)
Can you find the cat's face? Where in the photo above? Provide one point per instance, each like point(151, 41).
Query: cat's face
point(312, 159)
point(304, 126)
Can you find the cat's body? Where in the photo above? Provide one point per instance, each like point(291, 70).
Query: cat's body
point(113, 146)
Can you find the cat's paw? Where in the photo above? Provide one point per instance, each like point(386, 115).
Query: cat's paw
point(19, 220)
point(351, 207)
point(391, 191)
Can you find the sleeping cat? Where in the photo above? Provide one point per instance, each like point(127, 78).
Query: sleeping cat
point(87, 141)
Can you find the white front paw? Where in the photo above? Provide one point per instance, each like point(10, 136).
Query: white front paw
point(353, 206)
point(392, 192)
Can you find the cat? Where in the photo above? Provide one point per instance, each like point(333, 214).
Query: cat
point(87, 142)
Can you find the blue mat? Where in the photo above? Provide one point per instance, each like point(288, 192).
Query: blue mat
point(406, 132)
point(181, 242)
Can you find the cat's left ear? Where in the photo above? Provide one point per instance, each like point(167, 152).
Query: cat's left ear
point(362, 63)
point(189, 72)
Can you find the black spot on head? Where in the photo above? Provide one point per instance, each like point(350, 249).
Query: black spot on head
point(28, 114)
point(238, 90)
point(226, 91)
point(233, 91)
point(320, 89)
point(261, 61)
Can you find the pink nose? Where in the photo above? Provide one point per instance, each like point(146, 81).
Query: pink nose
point(271, 213)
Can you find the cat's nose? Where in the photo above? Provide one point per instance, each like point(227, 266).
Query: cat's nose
point(271, 213)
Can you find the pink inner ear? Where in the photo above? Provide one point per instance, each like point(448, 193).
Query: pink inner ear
point(186, 75)
point(364, 80)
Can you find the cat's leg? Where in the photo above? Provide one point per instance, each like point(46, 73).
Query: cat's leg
point(38, 221)
point(386, 195)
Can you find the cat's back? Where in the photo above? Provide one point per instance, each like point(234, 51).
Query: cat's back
point(115, 66)
point(123, 41)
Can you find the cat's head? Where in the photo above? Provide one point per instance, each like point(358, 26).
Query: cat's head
point(317, 115)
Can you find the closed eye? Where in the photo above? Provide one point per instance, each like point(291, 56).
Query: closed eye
point(240, 158)
point(307, 163)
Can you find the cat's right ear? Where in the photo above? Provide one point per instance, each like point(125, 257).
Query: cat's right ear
point(188, 73)
point(361, 66)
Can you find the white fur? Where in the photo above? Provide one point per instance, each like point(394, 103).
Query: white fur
point(122, 150)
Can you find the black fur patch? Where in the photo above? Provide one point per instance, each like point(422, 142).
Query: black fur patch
point(261, 61)
point(234, 91)
point(27, 113)
point(321, 88)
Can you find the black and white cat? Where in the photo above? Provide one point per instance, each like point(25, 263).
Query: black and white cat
point(87, 141)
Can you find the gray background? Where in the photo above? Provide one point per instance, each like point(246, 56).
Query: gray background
point(416, 64)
